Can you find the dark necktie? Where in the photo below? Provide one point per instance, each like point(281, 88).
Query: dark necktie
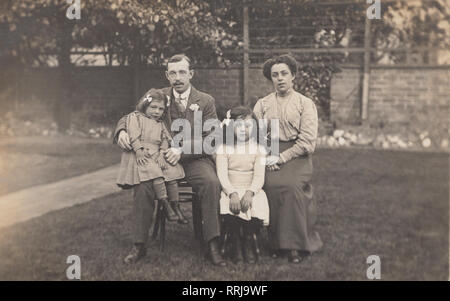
point(180, 105)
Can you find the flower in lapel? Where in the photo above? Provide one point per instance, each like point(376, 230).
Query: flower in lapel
point(194, 107)
point(168, 100)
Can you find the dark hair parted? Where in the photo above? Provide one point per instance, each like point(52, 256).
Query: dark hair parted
point(178, 58)
point(241, 112)
point(287, 59)
point(155, 94)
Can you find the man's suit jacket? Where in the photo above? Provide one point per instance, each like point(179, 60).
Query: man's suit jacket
point(206, 104)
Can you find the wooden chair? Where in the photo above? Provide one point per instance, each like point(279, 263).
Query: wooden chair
point(186, 195)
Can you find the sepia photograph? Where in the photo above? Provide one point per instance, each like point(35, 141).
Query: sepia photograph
point(224, 140)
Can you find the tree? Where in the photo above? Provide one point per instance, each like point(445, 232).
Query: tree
point(315, 24)
point(135, 31)
point(415, 24)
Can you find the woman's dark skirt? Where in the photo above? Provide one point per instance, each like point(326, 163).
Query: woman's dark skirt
point(292, 206)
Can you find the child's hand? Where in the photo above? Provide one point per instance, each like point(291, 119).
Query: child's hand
point(246, 201)
point(161, 161)
point(140, 157)
point(235, 204)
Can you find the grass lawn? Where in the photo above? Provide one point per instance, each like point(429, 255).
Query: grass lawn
point(30, 161)
point(391, 204)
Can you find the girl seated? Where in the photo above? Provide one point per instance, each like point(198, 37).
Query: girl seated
point(240, 164)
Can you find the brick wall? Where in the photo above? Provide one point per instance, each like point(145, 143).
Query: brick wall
point(225, 85)
point(345, 92)
point(106, 93)
point(396, 95)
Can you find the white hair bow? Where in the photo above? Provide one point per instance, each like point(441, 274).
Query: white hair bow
point(227, 120)
point(148, 98)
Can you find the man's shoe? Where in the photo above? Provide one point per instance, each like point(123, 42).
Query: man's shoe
point(176, 208)
point(294, 257)
point(136, 253)
point(214, 253)
point(170, 214)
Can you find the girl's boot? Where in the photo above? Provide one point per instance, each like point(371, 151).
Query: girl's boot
point(249, 254)
point(170, 214)
point(236, 255)
point(236, 244)
point(251, 246)
point(176, 208)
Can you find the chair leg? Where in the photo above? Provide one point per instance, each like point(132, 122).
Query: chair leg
point(157, 222)
point(162, 241)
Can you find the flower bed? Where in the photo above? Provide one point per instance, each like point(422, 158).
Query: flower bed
point(386, 139)
point(13, 125)
point(394, 137)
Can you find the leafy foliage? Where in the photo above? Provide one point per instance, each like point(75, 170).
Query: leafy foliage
point(147, 30)
point(131, 31)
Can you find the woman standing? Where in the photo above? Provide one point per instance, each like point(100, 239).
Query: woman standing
point(287, 182)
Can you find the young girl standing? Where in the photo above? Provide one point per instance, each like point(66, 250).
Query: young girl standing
point(240, 167)
point(144, 168)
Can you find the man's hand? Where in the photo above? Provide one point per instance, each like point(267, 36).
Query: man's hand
point(172, 155)
point(235, 204)
point(161, 161)
point(140, 156)
point(124, 141)
point(246, 201)
point(273, 167)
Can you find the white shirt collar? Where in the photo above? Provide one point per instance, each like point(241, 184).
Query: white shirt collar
point(184, 95)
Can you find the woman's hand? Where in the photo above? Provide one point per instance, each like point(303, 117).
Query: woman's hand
point(273, 163)
point(235, 204)
point(161, 161)
point(246, 201)
point(273, 167)
point(140, 156)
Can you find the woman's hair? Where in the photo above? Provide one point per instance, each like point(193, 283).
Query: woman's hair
point(281, 59)
point(153, 94)
point(241, 112)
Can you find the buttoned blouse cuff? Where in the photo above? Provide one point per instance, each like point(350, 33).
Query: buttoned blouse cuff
point(290, 154)
point(283, 158)
point(286, 155)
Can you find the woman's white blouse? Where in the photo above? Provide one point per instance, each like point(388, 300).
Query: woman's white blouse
point(298, 121)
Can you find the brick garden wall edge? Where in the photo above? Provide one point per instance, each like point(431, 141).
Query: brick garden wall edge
point(395, 95)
